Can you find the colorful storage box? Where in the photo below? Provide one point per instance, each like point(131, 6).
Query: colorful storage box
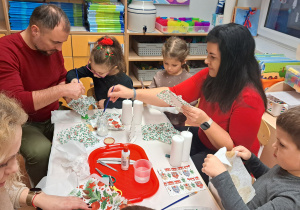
point(279, 102)
point(292, 77)
point(181, 29)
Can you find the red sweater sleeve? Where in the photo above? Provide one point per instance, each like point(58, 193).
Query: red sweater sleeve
point(11, 82)
point(24, 70)
point(190, 89)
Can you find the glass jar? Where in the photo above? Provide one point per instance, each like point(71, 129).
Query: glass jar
point(102, 125)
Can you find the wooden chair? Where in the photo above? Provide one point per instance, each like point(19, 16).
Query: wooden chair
point(280, 86)
point(263, 136)
point(91, 92)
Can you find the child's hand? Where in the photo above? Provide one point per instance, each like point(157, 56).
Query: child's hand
point(212, 166)
point(243, 152)
point(100, 104)
point(75, 81)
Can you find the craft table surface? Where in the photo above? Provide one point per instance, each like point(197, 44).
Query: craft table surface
point(155, 151)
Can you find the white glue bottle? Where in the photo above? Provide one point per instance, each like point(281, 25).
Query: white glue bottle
point(125, 158)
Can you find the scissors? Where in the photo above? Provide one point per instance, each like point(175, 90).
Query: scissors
point(112, 186)
point(104, 175)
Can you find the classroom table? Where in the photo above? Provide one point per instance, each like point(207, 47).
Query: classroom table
point(155, 151)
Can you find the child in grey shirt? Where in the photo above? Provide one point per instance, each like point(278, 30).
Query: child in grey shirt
point(275, 188)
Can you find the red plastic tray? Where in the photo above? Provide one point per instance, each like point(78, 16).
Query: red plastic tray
point(133, 191)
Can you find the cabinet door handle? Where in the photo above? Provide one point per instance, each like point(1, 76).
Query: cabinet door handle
point(92, 44)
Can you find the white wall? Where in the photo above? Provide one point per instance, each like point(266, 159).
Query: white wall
point(198, 8)
point(249, 3)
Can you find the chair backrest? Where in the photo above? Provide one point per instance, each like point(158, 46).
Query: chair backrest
point(263, 136)
point(279, 86)
point(91, 92)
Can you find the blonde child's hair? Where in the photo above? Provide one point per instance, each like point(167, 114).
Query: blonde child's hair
point(289, 121)
point(11, 116)
point(176, 48)
point(109, 53)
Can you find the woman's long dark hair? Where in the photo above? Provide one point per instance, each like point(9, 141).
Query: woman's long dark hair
point(238, 67)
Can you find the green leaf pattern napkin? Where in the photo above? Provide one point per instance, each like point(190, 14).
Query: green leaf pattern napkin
point(80, 133)
point(172, 99)
point(162, 132)
point(81, 105)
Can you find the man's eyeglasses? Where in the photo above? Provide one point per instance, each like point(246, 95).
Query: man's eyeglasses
point(94, 72)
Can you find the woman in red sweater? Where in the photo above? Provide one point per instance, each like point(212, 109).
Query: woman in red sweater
point(232, 100)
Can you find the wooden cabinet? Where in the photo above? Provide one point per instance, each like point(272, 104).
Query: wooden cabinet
point(67, 47)
point(81, 43)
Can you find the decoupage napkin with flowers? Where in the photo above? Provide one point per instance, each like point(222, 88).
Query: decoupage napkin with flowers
point(80, 133)
point(98, 195)
point(162, 132)
point(81, 105)
point(172, 99)
point(114, 120)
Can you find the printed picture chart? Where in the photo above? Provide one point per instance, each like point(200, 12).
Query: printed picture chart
point(180, 180)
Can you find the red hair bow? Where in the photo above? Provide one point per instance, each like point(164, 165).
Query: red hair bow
point(106, 41)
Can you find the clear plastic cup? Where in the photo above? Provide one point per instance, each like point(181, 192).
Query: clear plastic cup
point(142, 169)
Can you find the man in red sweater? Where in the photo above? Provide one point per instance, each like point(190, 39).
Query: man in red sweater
point(32, 70)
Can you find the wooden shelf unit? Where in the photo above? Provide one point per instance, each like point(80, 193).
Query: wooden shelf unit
point(130, 55)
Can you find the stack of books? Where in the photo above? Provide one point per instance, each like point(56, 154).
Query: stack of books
point(19, 14)
point(73, 11)
point(105, 16)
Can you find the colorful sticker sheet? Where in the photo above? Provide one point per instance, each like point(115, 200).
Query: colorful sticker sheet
point(81, 105)
point(99, 195)
point(172, 99)
point(80, 133)
point(180, 180)
point(162, 132)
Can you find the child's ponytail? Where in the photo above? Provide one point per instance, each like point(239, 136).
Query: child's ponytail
point(186, 67)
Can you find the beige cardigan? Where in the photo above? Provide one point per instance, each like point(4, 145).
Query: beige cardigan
point(9, 198)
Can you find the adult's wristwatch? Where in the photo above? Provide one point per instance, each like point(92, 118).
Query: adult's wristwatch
point(32, 192)
point(206, 125)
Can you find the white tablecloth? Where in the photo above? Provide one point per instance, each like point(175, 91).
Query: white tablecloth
point(57, 175)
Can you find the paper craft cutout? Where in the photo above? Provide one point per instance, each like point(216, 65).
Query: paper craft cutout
point(81, 105)
point(80, 133)
point(114, 120)
point(180, 180)
point(172, 99)
point(94, 191)
point(162, 132)
point(239, 174)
